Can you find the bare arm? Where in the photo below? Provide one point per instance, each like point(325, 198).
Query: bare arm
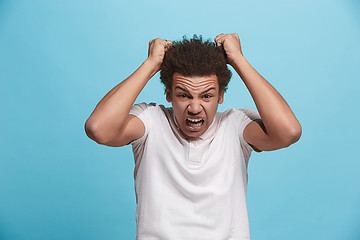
point(110, 123)
point(281, 128)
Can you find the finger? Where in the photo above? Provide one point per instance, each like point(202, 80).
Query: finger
point(220, 41)
point(168, 44)
point(216, 41)
point(164, 42)
point(158, 41)
point(217, 38)
point(219, 35)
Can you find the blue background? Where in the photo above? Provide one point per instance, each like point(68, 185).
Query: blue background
point(59, 58)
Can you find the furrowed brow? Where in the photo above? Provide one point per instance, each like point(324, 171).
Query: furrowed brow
point(183, 89)
point(208, 90)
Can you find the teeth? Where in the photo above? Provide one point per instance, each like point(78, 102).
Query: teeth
point(194, 120)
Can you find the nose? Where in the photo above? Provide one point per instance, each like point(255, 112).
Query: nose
point(194, 107)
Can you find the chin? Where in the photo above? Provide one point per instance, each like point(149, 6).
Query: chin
point(191, 134)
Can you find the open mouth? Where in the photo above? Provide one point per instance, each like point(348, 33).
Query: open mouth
point(194, 124)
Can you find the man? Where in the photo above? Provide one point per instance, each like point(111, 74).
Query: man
point(190, 160)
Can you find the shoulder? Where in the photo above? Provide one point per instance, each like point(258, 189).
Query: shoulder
point(139, 108)
point(145, 112)
point(150, 112)
point(239, 114)
point(240, 118)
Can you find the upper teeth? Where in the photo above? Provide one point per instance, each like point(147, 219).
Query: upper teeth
point(194, 120)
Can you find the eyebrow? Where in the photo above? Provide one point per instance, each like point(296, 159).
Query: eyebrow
point(185, 90)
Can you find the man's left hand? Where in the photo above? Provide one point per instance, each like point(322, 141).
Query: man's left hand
point(231, 45)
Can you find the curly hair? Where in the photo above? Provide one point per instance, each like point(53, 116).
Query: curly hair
point(195, 57)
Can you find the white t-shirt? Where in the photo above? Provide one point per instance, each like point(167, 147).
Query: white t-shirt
point(191, 190)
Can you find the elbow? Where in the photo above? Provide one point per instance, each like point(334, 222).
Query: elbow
point(296, 133)
point(299, 132)
point(92, 132)
point(293, 135)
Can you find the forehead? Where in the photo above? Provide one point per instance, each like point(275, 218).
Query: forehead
point(195, 82)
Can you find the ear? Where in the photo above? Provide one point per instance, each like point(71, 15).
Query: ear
point(221, 96)
point(168, 95)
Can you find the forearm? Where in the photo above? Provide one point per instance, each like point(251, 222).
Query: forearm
point(279, 120)
point(113, 109)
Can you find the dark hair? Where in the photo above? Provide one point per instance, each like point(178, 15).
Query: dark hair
point(195, 57)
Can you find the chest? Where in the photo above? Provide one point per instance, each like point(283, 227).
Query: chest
point(221, 149)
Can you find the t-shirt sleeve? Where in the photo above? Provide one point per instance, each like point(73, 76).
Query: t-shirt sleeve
point(243, 117)
point(142, 111)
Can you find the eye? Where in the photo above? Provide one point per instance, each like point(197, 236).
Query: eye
point(207, 96)
point(183, 95)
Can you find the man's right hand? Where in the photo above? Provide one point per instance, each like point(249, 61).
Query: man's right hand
point(157, 49)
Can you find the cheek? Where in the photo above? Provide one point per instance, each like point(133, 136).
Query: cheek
point(211, 108)
point(179, 105)
point(179, 109)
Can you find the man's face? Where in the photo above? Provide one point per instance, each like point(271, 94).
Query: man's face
point(195, 101)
